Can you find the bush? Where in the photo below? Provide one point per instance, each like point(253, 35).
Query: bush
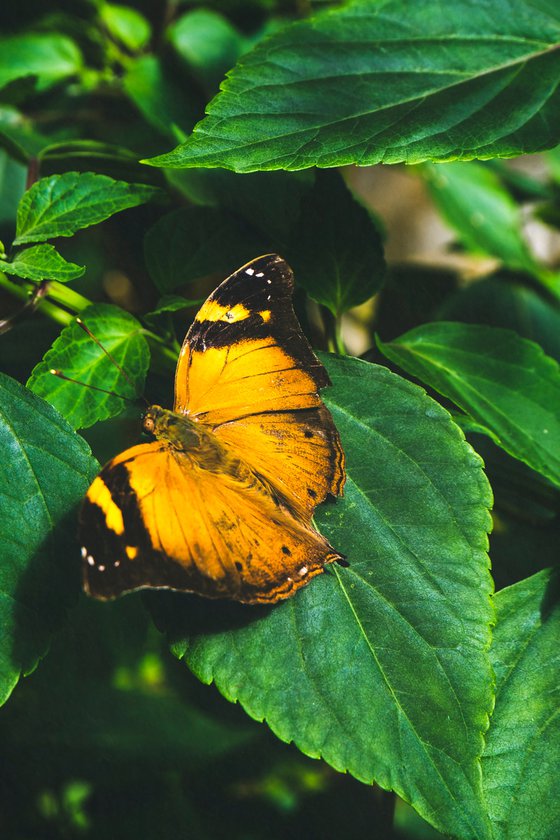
point(149, 150)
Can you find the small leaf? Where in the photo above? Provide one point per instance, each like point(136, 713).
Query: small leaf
point(520, 762)
point(172, 303)
point(207, 42)
point(196, 241)
point(76, 355)
point(387, 82)
point(48, 56)
point(406, 625)
point(42, 262)
point(44, 471)
point(506, 384)
point(126, 25)
point(62, 204)
point(337, 251)
point(160, 97)
point(472, 199)
point(86, 155)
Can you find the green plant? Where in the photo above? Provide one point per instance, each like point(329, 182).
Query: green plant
point(405, 669)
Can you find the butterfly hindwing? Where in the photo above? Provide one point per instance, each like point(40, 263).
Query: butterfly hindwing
point(157, 518)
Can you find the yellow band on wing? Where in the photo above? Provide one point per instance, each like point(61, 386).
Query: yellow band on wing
point(214, 311)
point(100, 495)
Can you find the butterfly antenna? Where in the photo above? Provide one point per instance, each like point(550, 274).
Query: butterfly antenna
point(111, 358)
point(61, 375)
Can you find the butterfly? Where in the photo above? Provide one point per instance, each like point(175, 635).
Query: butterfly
point(220, 503)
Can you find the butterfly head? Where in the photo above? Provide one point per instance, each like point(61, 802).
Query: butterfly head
point(175, 428)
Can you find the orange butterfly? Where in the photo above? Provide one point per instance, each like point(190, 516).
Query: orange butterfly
point(221, 503)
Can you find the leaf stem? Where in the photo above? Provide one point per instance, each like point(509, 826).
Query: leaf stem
point(51, 310)
point(333, 332)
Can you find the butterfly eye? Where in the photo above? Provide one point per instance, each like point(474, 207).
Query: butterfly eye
point(149, 424)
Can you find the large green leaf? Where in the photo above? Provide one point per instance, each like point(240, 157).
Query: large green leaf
point(48, 56)
point(388, 81)
point(44, 471)
point(77, 356)
point(41, 262)
point(522, 755)
point(506, 383)
point(336, 250)
point(380, 668)
point(62, 204)
point(196, 241)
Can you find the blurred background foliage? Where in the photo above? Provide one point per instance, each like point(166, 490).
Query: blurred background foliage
point(111, 737)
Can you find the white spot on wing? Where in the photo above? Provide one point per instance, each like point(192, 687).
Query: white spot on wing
point(90, 560)
point(84, 551)
point(260, 274)
point(269, 282)
point(101, 568)
point(117, 563)
point(249, 271)
point(303, 571)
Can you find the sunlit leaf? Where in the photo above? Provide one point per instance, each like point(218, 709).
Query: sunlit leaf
point(388, 82)
point(41, 262)
point(506, 383)
point(77, 356)
point(62, 204)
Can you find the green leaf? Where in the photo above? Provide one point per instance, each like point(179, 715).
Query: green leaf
point(94, 156)
point(62, 204)
point(196, 241)
point(171, 303)
point(406, 625)
point(473, 200)
point(553, 160)
point(269, 201)
point(387, 82)
point(520, 763)
point(499, 302)
point(160, 97)
point(77, 356)
point(12, 186)
point(337, 251)
point(126, 25)
point(207, 42)
point(42, 262)
point(44, 471)
point(19, 136)
point(506, 384)
point(48, 56)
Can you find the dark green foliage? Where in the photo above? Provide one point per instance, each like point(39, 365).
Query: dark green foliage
point(404, 673)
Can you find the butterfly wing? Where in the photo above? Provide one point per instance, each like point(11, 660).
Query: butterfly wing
point(247, 371)
point(155, 517)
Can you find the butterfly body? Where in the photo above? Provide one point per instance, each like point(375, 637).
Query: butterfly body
point(221, 502)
